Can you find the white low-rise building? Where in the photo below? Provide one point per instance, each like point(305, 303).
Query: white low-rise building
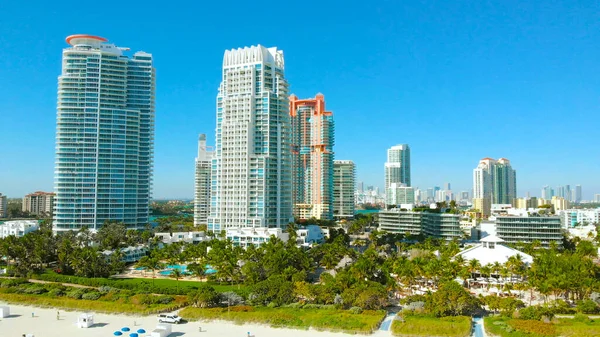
point(254, 235)
point(309, 236)
point(18, 228)
point(187, 237)
point(574, 217)
point(131, 253)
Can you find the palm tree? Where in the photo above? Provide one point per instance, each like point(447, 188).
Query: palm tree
point(176, 274)
point(473, 266)
point(151, 262)
point(197, 269)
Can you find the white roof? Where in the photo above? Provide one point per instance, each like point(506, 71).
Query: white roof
point(491, 238)
point(499, 253)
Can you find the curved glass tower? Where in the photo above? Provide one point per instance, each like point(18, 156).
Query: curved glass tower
point(104, 135)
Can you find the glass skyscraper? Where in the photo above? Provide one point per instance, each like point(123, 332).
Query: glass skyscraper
point(251, 169)
point(104, 135)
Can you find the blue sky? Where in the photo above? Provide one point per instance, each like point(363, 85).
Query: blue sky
point(457, 80)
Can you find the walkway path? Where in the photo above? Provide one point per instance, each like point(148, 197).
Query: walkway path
point(478, 330)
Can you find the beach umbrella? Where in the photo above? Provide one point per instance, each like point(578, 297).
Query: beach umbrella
point(117, 333)
point(133, 334)
point(141, 331)
point(125, 329)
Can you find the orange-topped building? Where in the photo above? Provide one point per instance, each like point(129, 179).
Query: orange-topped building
point(312, 157)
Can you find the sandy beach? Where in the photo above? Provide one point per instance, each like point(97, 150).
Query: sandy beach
point(45, 324)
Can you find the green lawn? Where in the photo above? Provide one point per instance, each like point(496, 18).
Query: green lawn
point(158, 285)
point(322, 319)
point(565, 327)
point(420, 325)
point(171, 283)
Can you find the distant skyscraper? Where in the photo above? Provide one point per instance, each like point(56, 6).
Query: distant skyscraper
point(344, 173)
point(104, 135)
point(547, 192)
point(464, 195)
point(596, 197)
point(3, 206)
point(38, 203)
point(447, 187)
point(578, 193)
point(312, 158)
point(494, 182)
point(397, 168)
point(505, 183)
point(202, 182)
point(361, 187)
point(252, 166)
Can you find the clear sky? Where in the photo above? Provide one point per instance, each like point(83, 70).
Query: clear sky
point(457, 80)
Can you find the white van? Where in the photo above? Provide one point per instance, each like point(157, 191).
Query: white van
point(169, 318)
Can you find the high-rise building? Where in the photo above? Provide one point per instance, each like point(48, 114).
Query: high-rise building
point(596, 197)
point(397, 167)
point(464, 195)
point(202, 182)
point(104, 135)
point(361, 187)
point(3, 206)
point(494, 182)
point(312, 158)
point(252, 168)
point(398, 194)
point(344, 175)
point(578, 194)
point(39, 203)
point(547, 192)
point(447, 187)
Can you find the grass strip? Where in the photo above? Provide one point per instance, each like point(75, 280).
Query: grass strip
point(116, 307)
point(320, 319)
point(420, 325)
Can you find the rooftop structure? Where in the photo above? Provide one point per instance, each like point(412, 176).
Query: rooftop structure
point(491, 250)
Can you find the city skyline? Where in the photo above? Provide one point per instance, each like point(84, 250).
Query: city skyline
point(397, 80)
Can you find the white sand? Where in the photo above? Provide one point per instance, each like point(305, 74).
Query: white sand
point(44, 324)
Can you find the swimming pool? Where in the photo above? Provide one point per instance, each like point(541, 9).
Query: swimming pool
point(183, 269)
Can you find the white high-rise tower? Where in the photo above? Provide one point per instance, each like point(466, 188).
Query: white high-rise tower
point(202, 182)
point(397, 170)
point(104, 135)
point(251, 170)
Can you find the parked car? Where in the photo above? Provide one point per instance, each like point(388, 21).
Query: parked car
point(169, 318)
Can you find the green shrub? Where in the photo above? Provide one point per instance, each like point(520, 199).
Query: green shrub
point(94, 295)
point(355, 310)
point(164, 299)
point(272, 305)
point(35, 290)
point(295, 305)
point(75, 293)
point(535, 313)
point(581, 318)
point(312, 306)
point(587, 307)
point(56, 292)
